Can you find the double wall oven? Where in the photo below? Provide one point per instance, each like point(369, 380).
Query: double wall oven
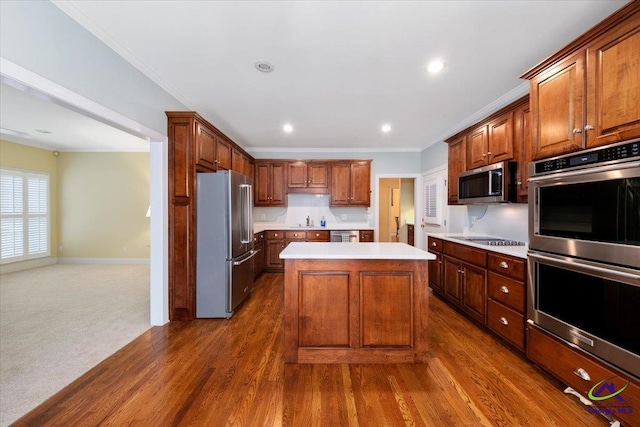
point(584, 251)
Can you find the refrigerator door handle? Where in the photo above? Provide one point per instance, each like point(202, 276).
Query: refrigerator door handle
point(252, 253)
point(247, 214)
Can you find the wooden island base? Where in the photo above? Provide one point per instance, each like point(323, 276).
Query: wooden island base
point(355, 311)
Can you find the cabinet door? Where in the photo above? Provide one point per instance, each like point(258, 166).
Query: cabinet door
point(613, 86)
point(500, 139)
point(274, 247)
point(223, 154)
point(360, 184)
point(297, 175)
point(259, 259)
point(340, 183)
point(435, 273)
point(457, 162)
point(477, 142)
point(205, 147)
point(278, 184)
point(451, 272)
point(318, 175)
point(557, 106)
point(474, 291)
point(366, 235)
point(261, 184)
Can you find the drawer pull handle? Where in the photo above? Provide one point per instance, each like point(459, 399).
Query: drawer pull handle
point(582, 374)
point(433, 243)
point(504, 289)
point(317, 234)
point(504, 264)
point(504, 321)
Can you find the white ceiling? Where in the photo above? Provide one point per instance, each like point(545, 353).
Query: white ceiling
point(28, 113)
point(342, 69)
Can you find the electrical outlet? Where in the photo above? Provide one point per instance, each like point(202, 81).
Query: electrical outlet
point(262, 217)
point(473, 221)
point(124, 249)
point(343, 217)
point(59, 248)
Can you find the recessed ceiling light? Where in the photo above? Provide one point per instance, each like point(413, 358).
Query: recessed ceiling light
point(46, 132)
point(287, 128)
point(264, 66)
point(386, 128)
point(435, 66)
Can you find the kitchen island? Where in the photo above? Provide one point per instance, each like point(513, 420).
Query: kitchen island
point(355, 303)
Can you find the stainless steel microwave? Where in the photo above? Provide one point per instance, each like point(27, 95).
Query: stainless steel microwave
point(495, 183)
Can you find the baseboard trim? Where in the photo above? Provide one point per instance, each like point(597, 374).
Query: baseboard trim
point(133, 261)
point(27, 265)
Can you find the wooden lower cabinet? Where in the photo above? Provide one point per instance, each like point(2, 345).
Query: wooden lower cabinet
point(584, 373)
point(274, 245)
point(488, 286)
point(366, 236)
point(355, 311)
point(259, 259)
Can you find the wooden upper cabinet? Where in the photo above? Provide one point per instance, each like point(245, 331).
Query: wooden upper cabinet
point(351, 183)
point(223, 154)
point(457, 155)
point(613, 86)
point(586, 95)
point(477, 147)
point(241, 163)
point(206, 147)
point(556, 98)
point(308, 177)
point(269, 183)
point(500, 139)
point(491, 143)
point(522, 148)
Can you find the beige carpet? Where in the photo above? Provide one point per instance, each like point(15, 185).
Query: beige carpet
point(57, 322)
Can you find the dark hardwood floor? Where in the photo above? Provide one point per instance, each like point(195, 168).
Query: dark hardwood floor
point(231, 372)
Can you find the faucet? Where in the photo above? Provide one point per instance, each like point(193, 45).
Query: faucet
point(307, 220)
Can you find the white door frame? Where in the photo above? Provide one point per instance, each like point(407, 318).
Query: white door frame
point(417, 186)
point(27, 81)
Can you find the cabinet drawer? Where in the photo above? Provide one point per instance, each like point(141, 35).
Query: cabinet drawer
point(275, 235)
point(318, 236)
point(296, 235)
point(258, 237)
point(509, 266)
point(506, 323)
point(434, 244)
point(507, 291)
point(566, 363)
point(466, 253)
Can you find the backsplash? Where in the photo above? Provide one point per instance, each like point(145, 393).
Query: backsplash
point(509, 221)
point(315, 206)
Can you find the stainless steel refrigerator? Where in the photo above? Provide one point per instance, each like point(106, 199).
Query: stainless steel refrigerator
point(224, 269)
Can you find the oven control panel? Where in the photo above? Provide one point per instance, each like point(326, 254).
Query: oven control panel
point(599, 155)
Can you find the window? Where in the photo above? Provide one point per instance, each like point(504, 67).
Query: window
point(24, 215)
point(431, 199)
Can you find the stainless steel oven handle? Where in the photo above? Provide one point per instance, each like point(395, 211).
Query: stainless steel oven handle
point(587, 267)
point(586, 171)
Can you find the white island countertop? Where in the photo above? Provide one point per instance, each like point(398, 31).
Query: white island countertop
point(336, 250)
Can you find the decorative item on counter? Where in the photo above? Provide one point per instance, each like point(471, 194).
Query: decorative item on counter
point(323, 222)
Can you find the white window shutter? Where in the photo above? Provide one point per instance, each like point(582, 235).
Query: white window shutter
point(431, 199)
point(24, 215)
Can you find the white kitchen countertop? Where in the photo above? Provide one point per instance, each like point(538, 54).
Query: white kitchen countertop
point(516, 251)
point(262, 226)
point(335, 250)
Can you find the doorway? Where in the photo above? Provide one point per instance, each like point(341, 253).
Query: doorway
point(396, 208)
